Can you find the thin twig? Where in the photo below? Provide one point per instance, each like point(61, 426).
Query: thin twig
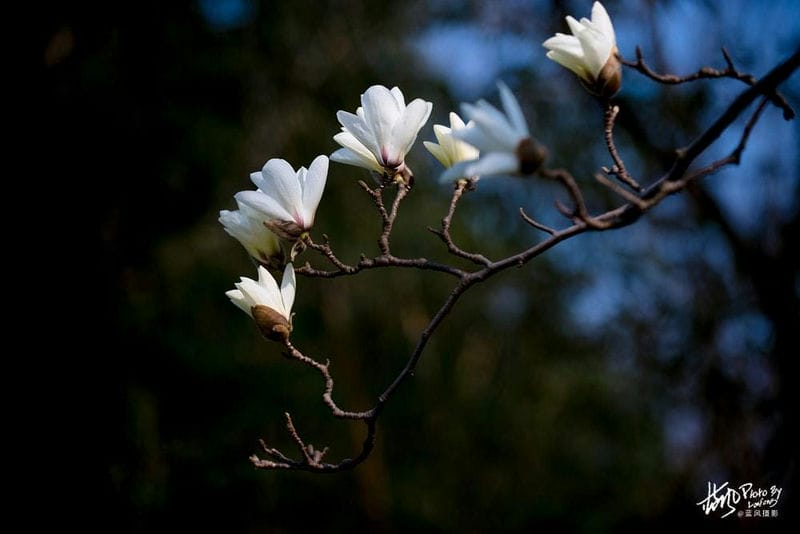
point(444, 234)
point(736, 155)
point(729, 71)
point(539, 226)
point(324, 370)
point(618, 169)
point(621, 191)
point(579, 213)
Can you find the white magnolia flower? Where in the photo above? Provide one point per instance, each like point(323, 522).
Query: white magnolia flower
point(450, 150)
point(503, 139)
point(248, 227)
point(590, 52)
point(269, 306)
point(287, 200)
point(381, 132)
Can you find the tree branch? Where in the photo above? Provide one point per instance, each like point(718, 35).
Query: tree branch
point(729, 71)
point(673, 181)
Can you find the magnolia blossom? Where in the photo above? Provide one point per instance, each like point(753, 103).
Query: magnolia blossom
point(381, 132)
point(503, 140)
point(248, 227)
point(590, 52)
point(287, 199)
point(269, 306)
point(450, 150)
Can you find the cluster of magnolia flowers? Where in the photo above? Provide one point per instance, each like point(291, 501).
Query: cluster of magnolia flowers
point(272, 221)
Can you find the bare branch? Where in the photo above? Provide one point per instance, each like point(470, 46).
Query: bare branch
point(676, 179)
point(444, 234)
point(736, 155)
point(579, 213)
point(618, 169)
point(621, 191)
point(539, 226)
point(729, 71)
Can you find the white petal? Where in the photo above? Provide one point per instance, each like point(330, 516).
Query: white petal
point(455, 121)
point(493, 164)
point(238, 298)
point(512, 109)
point(264, 204)
point(361, 132)
point(245, 225)
point(408, 126)
point(438, 153)
point(314, 185)
point(280, 183)
point(477, 137)
point(574, 26)
point(596, 50)
point(257, 295)
point(441, 132)
point(568, 44)
point(229, 218)
point(602, 22)
point(496, 130)
point(569, 61)
point(288, 288)
point(398, 97)
point(456, 172)
point(381, 111)
point(269, 292)
point(361, 155)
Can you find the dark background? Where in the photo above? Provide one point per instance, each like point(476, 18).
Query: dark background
point(599, 387)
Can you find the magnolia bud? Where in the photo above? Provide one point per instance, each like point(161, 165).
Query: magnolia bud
point(531, 155)
point(272, 324)
point(609, 79)
point(288, 230)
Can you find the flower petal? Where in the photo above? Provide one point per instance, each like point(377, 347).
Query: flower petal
point(356, 126)
point(495, 131)
point(280, 182)
point(455, 121)
point(264, 204)
point(398, 96)
point(268, 291)
point(596, 50)
point(381, 112)
point(512, 109)
point(602, 22)
point(438, 153)
point(574, 26)
point(573, 63)
point(238, 298)
point(457, 172)
point(494, 164)
point(313, 187)
point(408, 126)
point(288, 288)
point(354, 153)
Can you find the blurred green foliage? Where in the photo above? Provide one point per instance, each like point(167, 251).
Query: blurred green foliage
point(519, 417)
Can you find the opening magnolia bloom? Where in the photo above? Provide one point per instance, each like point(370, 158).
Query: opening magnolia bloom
point(504, 143)
point(287, 199)
point(270, 307)
point(590, 52)
point(381, 132)
point(247, 226)
point(450, 150)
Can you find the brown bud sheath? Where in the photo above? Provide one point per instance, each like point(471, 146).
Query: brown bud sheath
point(288, 230)
point(272, 324)
point(609, 80)
point(531, 155)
